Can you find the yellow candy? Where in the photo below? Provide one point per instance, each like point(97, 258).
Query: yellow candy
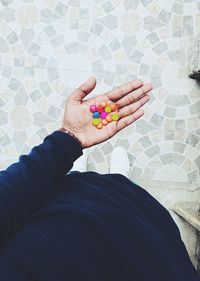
point(107, 109)
point(99, 126)
point(115, 117)
point(95, 121)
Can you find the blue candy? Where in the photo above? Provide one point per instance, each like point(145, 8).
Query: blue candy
point(96, 114)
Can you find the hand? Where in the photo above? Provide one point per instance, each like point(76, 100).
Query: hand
point(129, 97)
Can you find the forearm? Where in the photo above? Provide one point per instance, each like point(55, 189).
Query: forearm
point(24, 185)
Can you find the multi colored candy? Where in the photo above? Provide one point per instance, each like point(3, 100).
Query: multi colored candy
point(102, 114)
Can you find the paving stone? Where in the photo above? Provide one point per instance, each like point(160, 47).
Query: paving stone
point(152, 151)
point(151, 24)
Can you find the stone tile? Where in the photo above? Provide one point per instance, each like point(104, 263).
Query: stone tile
point(148, 173)
point(50, 31)
point(110, 21)
point(143, 127)
point(108, 7)
point(107, 148)
point(7, 71)
point(123, 142)
point(135, 172)
point(177, 8)
point(157, 120)
point(3, 46)
point(42, 133)
point(20, 118)
point(54, 112)
point(180, 124)
point(96, 28)
point(12, 37)
point(145, 141)
point(35, 95)
point(83, 36)
point(34, 49)
point(45, 88)
point(151, 24)
point(97, 155)
point(164, 16)
point(160, 48)
point(193, 176)
point(129, 43)
point(188, 25)
point(169, 134)
point(52, 75)
point(5, 140)
point(152, 151)
point(129, 4)
point(179, 147)
point(7, 14)
point(61, 9)
point(170, 112)
point(40, 119)
point(57, 40)
point(174, 55)
point(197, 162)
point(144, 69)
point(192, 139)
point(194, 109)
point(41, 62)
point(48, 16)
point(136, 56)
point(21, 97)
point(3, 117)
point(14, 84)
point(171, 159)
point(6, 2)
point(181, 100)
point(105, 52)
point(146, 2)
point(156, 70)
point(153, 38)
point(26, 36)
point(114, 45)
point(19, 139)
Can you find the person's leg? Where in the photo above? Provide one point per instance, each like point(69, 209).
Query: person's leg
point(119, 161)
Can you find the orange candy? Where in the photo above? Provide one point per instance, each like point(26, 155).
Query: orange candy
point(104, 122)
point(114, 107)
point(99, 126)
point(109, 118)
point(103, 104)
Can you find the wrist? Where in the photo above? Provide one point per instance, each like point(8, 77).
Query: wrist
point(66, 131)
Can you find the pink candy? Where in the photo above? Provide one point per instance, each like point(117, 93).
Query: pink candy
point(93, 108)
point(104, 115)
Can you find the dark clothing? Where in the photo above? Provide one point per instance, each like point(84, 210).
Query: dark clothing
point(83, 226)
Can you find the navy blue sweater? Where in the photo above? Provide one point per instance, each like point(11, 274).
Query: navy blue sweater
point(85, 226)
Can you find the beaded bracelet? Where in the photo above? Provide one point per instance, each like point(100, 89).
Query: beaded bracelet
point(72, 135)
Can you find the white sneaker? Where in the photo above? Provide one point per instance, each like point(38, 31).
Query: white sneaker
point(80, 165)
point(119, 161)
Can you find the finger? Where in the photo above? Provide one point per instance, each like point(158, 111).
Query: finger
point(79, 94)
point(123, 90)
point(128, 120)
point(135, 95)
point(130, 109)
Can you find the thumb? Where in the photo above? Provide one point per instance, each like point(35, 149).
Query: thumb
point(80, 93)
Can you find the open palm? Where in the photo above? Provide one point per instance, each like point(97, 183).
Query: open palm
point(129, 97)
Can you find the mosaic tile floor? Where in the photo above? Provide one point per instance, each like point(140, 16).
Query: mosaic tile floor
point(47, 48)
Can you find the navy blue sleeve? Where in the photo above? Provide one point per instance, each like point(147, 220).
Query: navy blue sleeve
point(25, 184)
